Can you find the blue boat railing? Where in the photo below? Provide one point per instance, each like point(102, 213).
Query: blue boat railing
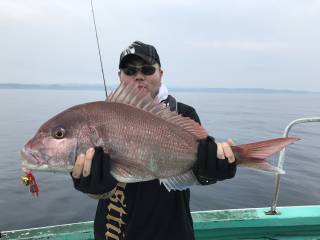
point(281, 159)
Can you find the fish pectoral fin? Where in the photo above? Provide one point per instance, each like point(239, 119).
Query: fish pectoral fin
point(180, 182)
point(124, 170)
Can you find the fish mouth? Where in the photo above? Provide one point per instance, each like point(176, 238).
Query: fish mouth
point(31, 160)
point(26, 168)
point(30, 157)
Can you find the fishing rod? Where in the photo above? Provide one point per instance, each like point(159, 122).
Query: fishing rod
point(98, 45)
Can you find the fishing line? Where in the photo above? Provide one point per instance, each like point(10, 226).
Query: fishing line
point(98, 45)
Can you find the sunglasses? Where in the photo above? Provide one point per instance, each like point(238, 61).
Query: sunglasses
point(145, 70)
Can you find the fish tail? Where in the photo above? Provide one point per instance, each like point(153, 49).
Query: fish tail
point(253, 155)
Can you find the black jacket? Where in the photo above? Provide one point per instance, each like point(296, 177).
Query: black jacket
point(146, 210)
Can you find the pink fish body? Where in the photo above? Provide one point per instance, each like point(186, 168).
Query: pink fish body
point(144, 138)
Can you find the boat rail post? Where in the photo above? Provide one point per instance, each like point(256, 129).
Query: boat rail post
point(273, 210)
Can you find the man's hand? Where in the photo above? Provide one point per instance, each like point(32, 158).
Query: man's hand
point(224, 151)
point(83, 164)
point(91, 173)
point(215, 162)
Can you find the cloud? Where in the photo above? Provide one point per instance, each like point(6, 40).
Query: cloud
point(256, 46)
point(219, 43)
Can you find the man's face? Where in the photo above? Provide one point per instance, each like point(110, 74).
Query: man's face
point(136, 73)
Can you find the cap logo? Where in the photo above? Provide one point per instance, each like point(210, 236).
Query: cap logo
point(131, 50)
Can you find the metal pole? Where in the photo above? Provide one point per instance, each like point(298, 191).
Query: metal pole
point(282, 158)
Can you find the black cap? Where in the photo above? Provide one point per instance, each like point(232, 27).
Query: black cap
point(145, 51)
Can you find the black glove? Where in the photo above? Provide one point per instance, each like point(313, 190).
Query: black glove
point(100, 180)
point(208, 169)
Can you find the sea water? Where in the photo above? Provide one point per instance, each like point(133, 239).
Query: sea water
point(243, 117)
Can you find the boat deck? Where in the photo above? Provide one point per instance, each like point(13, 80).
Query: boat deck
point(294, 223)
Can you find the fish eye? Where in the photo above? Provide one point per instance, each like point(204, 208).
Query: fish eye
point(59, 132)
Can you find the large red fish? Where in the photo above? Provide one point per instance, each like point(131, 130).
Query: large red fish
point(143, 137)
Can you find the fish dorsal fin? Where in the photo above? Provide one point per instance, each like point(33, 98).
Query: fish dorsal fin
point(130, 94)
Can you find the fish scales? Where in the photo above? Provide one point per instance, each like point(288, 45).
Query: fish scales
point(144, 139)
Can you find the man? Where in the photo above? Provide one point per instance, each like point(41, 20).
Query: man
point(147, 210)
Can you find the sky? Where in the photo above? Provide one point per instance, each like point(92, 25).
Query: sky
point(273, 44)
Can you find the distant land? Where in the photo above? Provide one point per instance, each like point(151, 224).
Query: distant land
point(172, 88)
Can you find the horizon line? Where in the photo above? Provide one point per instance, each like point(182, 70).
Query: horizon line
point(80, 86)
